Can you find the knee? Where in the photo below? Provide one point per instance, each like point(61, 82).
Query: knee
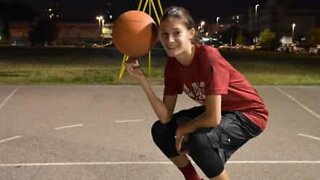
point(161, 132)
point(205, 154)
point(163, 137)
point(158, 129)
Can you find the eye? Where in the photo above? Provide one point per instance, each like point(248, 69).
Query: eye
point(164, 34)
point(176, 33)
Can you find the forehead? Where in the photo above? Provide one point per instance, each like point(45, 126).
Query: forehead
point(172, 23)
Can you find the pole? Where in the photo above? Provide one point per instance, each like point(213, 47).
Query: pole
point(256, 24)
point(293, 27)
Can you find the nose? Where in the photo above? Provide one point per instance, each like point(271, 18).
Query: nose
point(170, 38)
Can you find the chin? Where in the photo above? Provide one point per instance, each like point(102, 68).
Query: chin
point(171, 54)
point(174, 53)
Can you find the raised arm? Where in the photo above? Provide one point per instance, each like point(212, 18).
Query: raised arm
point(162, 108)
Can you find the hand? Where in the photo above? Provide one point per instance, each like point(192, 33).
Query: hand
point(182, 136)
point(133, 68)
point(182, 144)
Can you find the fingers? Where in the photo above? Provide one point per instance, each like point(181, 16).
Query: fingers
point(179, 140)
point(131, 64)
point(134, 70)
point(131, 68)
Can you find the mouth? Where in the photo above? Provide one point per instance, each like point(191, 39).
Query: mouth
point(171, 48)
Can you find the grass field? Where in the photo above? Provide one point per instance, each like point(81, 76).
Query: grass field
point(101, 66)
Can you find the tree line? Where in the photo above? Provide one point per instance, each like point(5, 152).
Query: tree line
point(43, 29)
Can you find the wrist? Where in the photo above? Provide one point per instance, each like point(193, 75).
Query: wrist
point(191, 126)
point(143, 80)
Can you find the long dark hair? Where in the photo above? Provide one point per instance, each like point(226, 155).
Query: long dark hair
point(181, 13)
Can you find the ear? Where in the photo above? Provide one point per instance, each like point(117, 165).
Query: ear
point(192, 33)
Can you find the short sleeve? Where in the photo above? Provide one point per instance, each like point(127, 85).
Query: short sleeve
point(218, 76)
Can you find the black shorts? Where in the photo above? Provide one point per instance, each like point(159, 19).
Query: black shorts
point(210, 148)
point(234, 130)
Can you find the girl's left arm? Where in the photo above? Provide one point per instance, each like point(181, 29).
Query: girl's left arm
point(210, 118)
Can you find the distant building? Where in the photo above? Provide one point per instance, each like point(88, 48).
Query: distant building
point(77, 33)
point(70, 33)
point(19, 32)
point(283, 17)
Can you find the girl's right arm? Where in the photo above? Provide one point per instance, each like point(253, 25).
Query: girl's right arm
point(162, 108)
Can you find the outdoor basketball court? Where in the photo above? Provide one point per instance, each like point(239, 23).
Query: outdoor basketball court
point(103, 132)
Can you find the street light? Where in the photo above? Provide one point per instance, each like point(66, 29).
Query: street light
point(102, 23)
point(99, 18)
point(256, 8)
point(217, 22)
point(293, 27)
point(202, 24)
point(256, 24)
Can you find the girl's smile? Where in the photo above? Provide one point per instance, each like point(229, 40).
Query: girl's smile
point(176, 38)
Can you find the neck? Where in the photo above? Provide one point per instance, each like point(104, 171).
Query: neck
point(187, 57)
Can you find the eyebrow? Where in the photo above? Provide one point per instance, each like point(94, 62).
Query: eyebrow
point(175, 29)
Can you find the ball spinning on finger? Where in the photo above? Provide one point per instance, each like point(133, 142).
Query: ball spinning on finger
point(134, 33)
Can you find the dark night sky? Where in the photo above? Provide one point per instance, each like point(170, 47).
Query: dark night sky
point(200, 9)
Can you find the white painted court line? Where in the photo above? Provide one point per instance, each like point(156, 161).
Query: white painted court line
point(299, 103)
point(70, 126)
point(129, 121)
point(148, 163)
point(273, 162)
point(9, 139)
point(5, 101)
point(309, 136)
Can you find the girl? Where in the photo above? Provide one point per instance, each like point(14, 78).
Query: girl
point(230, 112)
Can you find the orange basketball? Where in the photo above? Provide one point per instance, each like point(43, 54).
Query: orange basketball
point(134, 33)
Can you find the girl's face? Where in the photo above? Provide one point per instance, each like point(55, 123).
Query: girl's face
point(175, 37)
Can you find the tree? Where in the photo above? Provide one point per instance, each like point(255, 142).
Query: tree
point(314, 36)
point(12, 11)
point(5, 33)
point(269, 40)
point(240, 39)
point(229, 35)
point(45, 31)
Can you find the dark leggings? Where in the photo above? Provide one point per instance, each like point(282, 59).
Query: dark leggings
point(210, 148)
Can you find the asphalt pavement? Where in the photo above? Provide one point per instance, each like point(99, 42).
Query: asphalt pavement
point(103, 133)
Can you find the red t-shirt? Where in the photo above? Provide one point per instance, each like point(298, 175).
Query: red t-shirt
point(210, 74)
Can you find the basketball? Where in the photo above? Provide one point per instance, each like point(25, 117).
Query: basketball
point(134, 33)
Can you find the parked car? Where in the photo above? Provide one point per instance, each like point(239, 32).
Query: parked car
point(315, 50)
point(285, 48)
point(17, 43)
